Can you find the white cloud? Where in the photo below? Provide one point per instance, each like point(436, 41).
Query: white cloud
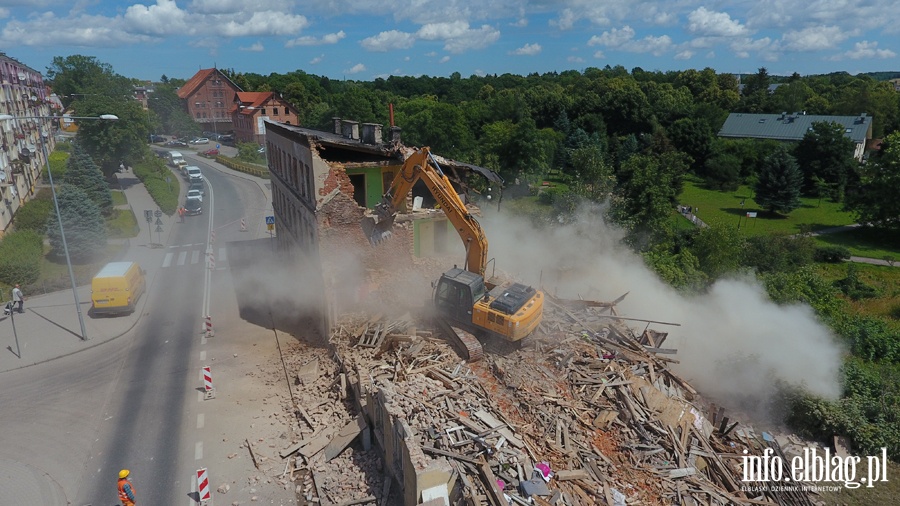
point(653, 45)
point(613, 38)
point(565, 21)
point(256, 47)
point(356, 69)
point(331, 38)
point(599, 55)
point(161, 19)
point(317, 59)
point(575, 59)
point(263, 23)
point(445, 59)
point(527, 50)
point(388, 41)
point(863, 50)
point(716, 24)
point(458, 37)
point(814, 38)
point(687, 54)
point(520, 23)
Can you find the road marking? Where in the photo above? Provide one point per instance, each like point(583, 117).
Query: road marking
point(168, 260)
point(203, 356)
point(201, 396)
point(198, 450)
point(195, 256)
point(200, 420)
point(181, 257)
point(222, 256)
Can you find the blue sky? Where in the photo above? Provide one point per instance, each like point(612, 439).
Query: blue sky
point(367, 39)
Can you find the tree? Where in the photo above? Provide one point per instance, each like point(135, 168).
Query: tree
point(825, 152)
point(718, 249)
point(778, 184)
point(876, 202)
point(755, 95)
point(84, 226)
point(694, 137)
point(81, 171)
point(595, 177)
point(110, 142)
point(78, 77)
point(644, 198)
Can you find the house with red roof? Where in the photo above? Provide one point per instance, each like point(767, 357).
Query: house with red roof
point(251, 110)
point(208, 97)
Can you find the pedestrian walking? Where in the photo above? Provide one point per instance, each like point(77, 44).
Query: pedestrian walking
point(126, 489)
point(181, 214)
point(18, 298)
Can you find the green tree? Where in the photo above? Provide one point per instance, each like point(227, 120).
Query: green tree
point(778, 184)
point(81, 171)
point(694, 137)
point(755, 95)
point(33, 215)
point(778, 252)
point(644, 198)
point(876, 202)
point(825, 152)
point(109, 143)
point(77, 77)
point(20, 257)
point(718, 249)
point(84, 226)
point(594, 176)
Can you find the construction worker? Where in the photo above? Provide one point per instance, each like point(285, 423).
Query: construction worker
point(126, 489)
point(181, 214)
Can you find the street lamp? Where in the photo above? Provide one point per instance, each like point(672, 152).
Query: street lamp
point(62, 233)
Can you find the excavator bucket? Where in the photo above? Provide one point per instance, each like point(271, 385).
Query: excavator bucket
point(378, 231)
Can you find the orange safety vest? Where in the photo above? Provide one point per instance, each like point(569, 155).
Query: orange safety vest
point(122, 495)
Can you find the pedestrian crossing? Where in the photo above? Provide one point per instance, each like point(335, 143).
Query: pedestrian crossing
point(191, 254)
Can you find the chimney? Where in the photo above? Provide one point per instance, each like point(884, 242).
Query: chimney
point(337, 125)
point(350, 130)
point(395, 134)
point(371, 133)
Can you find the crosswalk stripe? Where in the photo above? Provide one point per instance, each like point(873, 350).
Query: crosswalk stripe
point(195, 256)
point(168, 260)
point(181, 257)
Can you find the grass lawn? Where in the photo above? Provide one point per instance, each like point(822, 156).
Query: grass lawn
point(883, 278)
point(865, 242)
point(122, 224)
point(725, 207)
point(118, 198)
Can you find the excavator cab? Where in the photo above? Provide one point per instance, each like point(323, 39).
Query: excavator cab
point(457, 292)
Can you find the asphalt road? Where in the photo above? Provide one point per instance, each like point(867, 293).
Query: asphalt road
point(133, 402)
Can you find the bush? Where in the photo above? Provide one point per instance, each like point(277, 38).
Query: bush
point(58, 161)
point(20, 257)
point(33, 215)
point(548, 196)
point(153, 172)
point(831, 254)
point(854, 287)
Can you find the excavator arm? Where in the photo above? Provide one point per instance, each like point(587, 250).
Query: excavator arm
point(422, 166)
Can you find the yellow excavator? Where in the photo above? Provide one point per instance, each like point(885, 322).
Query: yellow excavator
point(510, 311)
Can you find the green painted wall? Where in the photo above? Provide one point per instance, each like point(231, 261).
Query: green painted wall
point(374, 189)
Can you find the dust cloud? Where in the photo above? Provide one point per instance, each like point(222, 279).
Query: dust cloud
point(733, 342)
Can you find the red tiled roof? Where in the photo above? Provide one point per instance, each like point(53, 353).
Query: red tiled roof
point(194, 83)
point(253, 99)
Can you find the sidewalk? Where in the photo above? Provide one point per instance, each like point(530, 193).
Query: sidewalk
point(50, 326)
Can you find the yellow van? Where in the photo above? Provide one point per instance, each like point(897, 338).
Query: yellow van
point(117, 288)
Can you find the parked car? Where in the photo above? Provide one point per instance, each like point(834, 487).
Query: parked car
point(176, 142)
point(200, 140)
point(197, 185)
point(261, 150)
point(211, 153)
point(157, 138)
point(194, 174)
point(195, 194)
point(193, 206)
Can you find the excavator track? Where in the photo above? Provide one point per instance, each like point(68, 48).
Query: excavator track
point(465, 343)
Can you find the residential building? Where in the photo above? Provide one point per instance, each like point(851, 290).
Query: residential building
point(251, 111)
point(208, 97)
point(23, 96)
point(793, 127)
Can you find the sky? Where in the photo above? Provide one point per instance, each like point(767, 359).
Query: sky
point(368, 39)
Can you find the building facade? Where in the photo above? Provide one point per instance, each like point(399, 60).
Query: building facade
point(22, 96)
point(208, 98)
point(251, 111)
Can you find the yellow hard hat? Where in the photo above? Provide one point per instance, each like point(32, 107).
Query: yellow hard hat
point(124, 473)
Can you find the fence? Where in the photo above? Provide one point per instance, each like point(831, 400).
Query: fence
point(253, 170)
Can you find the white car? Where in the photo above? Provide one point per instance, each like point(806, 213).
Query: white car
point(195, 194)
point(200, 140)
point(194, 174)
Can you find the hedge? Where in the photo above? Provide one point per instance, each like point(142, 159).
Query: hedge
point(153, 172)
point(21, 253)
point(253, 170)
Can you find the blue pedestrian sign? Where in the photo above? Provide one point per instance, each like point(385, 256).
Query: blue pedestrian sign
point(270, 220)
point(218, 146)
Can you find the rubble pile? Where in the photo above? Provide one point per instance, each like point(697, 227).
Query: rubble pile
point(587, 412)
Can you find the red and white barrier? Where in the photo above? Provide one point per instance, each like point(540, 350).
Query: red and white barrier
point(203, 485)
point(212, 236)
point(212, 261)
point(208, 328)
point(243, 225)
point(207, 378)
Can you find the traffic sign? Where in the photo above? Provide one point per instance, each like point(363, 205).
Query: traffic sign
point(158, 222)
point(148, 215)
point(158, 228)
point(157, 213)
point(217, 146)
point(270, 226)
point(270, 220)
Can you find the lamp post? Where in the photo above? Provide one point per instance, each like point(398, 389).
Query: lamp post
point(62, 233)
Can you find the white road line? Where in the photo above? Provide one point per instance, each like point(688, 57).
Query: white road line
point(203, 356)
point(201, 395)
point(195, 256)
point(222, 256)
point(198, 450)
point(200, 421)
point(181, 257)
point(167, 261)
